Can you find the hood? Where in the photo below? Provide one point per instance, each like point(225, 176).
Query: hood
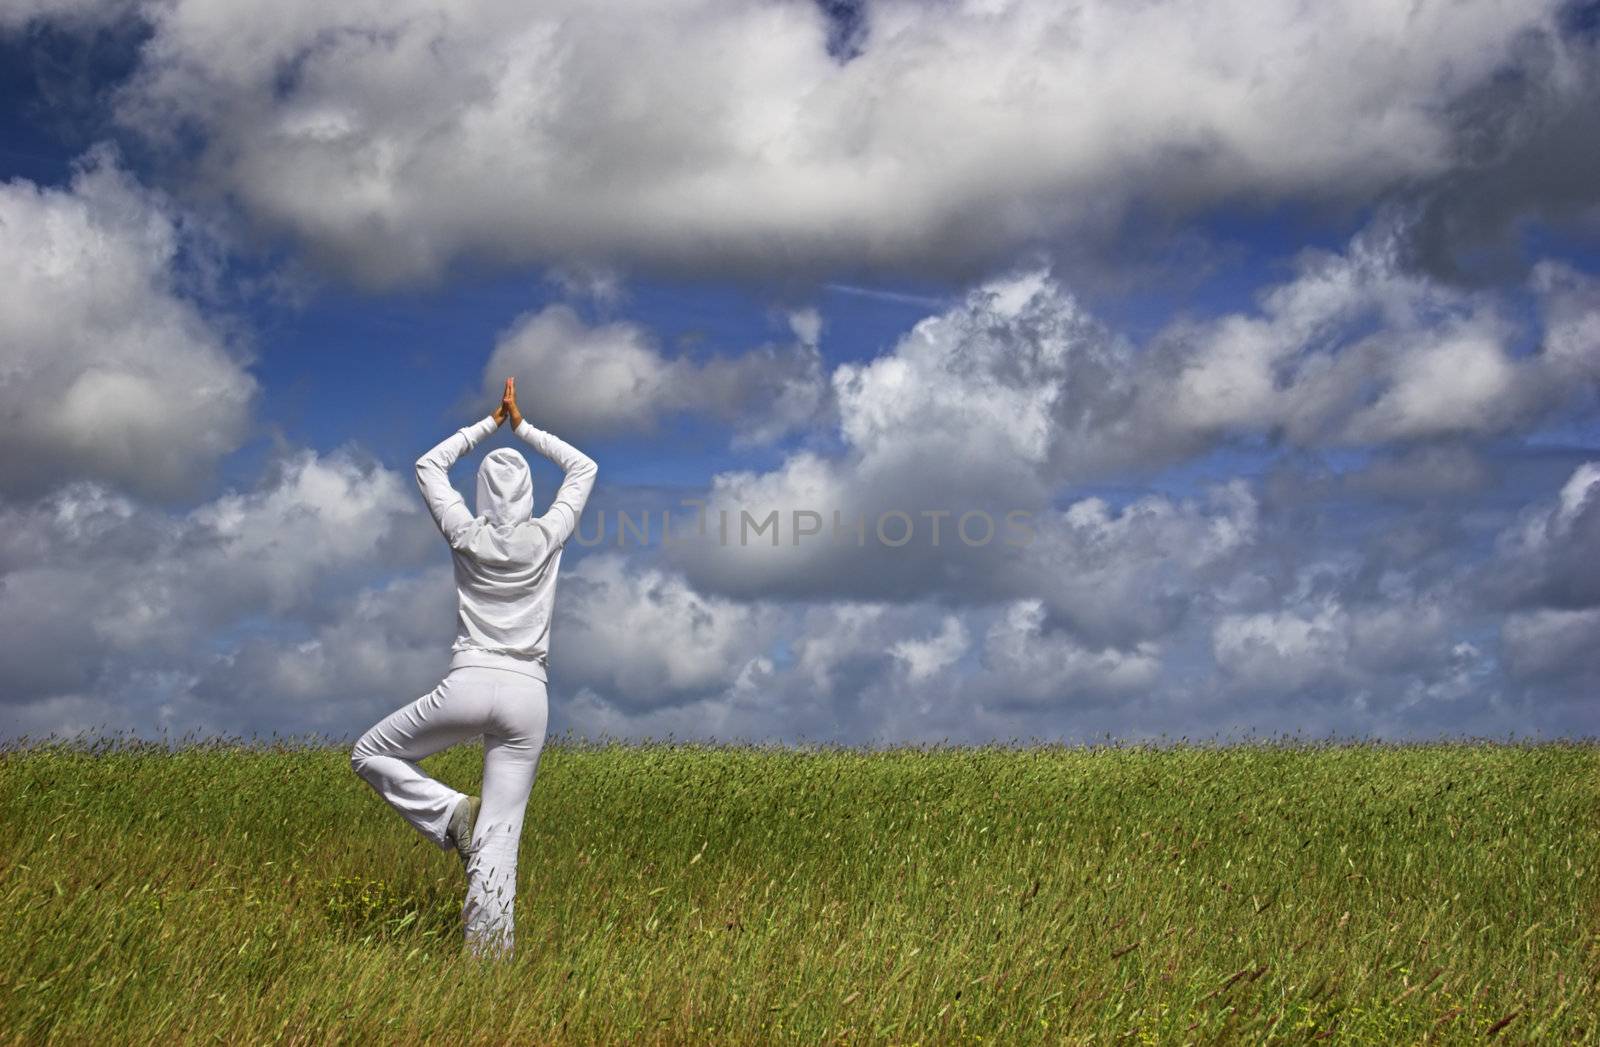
point(505, 488)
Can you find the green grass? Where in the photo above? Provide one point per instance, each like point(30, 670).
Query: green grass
point(1281, 892)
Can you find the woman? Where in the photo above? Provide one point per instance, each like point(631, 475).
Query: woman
point(505, 567)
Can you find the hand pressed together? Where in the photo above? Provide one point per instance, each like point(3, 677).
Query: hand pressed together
point(508, 406)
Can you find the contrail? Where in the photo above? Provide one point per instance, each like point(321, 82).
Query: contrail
point(889, 296)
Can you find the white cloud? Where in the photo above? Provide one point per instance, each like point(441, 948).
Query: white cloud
point(1463, 683)
point(403, 138)
point(839, 642)
point(637, 650)
point(1464, 382)
point(109, 372)
point(576, 379)
point(381, 647)
point(1119, 576)
point(977, 414)
point(806, 323)
point(1386, 649)
point(1037, 667)
point(646, 637)
point(319, 514)
point(961, 416)
point(89, 577)
point(392, 138)
point(999, 401)
point(1282, 651)
point(923, 657)
point(1353, 351)
point(985, 390)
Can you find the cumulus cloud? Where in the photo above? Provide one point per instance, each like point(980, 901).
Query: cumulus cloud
point(380, 647)
point(962, 416)
point(1011, 396)
point(922, 657)
point(1358, 351)
point(1398, 660)
point(1548, 556)
point(824, 673)
point(377, 648)
point(647, 638)
point(613, 378)
point(1340, 643)
point(248, 611)
point(1283, 651)
point(318, 514)
point(1017, 389)
point(1117, 577)
point(111, 372)
point(1542, 581)
point(1054, 669)
point(90, 578)
point(1329, 653)
point(393, 139)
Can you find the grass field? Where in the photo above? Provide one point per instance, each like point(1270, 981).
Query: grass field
point(1280, 892)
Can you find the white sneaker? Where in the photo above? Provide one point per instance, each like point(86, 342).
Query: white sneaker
point(462, 821)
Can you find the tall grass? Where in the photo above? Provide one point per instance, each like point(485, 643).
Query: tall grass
point(1284, 893)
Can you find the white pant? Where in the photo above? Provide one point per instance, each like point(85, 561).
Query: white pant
point(510, 710)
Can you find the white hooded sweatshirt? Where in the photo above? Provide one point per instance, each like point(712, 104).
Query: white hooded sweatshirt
point(505, 559)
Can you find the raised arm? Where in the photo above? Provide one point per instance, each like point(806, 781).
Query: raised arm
point(561, 519)
point(449, 509)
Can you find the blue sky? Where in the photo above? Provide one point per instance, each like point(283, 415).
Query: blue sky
point(1296, 381)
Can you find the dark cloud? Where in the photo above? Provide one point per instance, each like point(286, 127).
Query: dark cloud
point(1528, 153)
point(1547, 559)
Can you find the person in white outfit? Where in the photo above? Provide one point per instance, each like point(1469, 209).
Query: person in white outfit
point(506, 562)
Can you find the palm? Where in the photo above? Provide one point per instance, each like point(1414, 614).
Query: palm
point(508, 405)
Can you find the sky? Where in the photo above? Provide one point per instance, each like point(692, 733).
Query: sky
point(1062, 371)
